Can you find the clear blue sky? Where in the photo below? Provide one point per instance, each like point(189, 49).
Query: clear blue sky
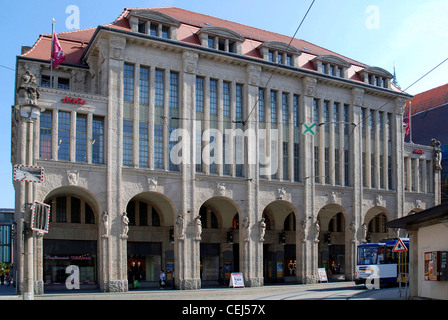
point(413, 34)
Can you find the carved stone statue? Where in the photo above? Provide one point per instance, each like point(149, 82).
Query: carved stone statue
point(262, 229)
point(125, 221)
point(28, 92)
point(246, 225)
point(364, 232)
point(437, 154)
point(105, 219)
point(180, 227)
point(198, 227)
point(316, 231)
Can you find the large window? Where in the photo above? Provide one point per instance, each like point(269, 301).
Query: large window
point(81, 138)
point(128, 133)
point(129, 83)
point(98, 140)
point(45, 150)
point(64, 136)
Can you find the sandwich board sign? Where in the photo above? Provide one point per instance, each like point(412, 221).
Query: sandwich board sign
point(322, 273)
point(236, 280)
point(399, 246)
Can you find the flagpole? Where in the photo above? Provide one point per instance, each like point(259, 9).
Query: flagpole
point(51, 60)
point(410, 122)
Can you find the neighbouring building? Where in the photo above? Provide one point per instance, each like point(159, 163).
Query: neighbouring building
point(428, 252)
point(6, 232)
point(179, 141)
point(429, 114)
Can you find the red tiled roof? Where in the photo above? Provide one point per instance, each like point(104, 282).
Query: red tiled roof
point(74, 43)
point(428, 100)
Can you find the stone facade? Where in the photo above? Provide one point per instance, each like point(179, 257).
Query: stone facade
point(332, 190)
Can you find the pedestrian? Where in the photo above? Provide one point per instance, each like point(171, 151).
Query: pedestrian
point(2, 278)
point(7, 280)
point(162, 280)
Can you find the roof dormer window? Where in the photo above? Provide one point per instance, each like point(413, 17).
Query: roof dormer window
point(377, 77)
point(331, 65)
point(281, 53)
point(220, 39)
point(153, 23)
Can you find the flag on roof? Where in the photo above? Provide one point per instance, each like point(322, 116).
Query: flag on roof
point(57, 54)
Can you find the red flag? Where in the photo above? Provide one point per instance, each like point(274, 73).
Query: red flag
point(408, 121)
point(56, 53)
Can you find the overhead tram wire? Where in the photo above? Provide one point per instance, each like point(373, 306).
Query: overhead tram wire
point(277, 65)
point(354, 125)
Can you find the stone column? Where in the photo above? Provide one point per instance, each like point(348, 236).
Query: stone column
point(251, 248)
point(307, 256)
point(186, 247)
point(115, 261)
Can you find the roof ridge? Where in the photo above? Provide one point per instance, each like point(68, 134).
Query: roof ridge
point(249, 36)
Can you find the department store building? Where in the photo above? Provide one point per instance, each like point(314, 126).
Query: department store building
point(140, 174)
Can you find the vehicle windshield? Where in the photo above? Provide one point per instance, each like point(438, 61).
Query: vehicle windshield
point(368, 254)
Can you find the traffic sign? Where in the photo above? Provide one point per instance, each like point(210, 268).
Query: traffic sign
point(308, 129)
point(399, 246)
point(40, 219)
point(28, 173)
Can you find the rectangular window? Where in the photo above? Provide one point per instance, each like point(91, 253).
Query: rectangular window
point(226, 99)
point(337, 170)
point(81, 138)
point(143, 145)
point(336, 117)
point(174, 90)
point(261, 105)
point(296, 112)
point(143, 213)
point(128, 136)
point(158, 146)
point(75, 210)
point(199, 94)
point(159, 88)
point(316, 165)
point(129, 82)
point(327, 116)
point(63, 84)
point(199, 168)
point(214, 97)
point(144, 86)
point(239, 102)
point(211, 42)
point(346, 168)
point(154, 30)
point(61, 209)
point(98, 140)
point(172, 143)
point(45, 143)
point(327, 165)
point(274, 117)
point(45, 81)
point(64, 136)
point(285, 108)
point(165, 32)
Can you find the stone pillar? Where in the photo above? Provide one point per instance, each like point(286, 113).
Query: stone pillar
point(307, 257)
point(251, 248)
point(114, 247)
point(186, 247)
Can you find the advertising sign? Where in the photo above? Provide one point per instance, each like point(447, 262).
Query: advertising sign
point(236, 280)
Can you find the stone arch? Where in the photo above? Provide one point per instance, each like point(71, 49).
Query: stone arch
point(150, 242)
point(73, 238)
point(334, 234)
point(220, 241)
point(280, 246)
point(374, 225)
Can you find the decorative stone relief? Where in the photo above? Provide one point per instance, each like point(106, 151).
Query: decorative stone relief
point(254, 74)
point(190, 62)
point(28, 93)
point(316, 231)
point(281, 192)
point(437, 154)
point(73, 177)
point(221, 189)
point(309, 85)
point(357, 97)
point(152, 184)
